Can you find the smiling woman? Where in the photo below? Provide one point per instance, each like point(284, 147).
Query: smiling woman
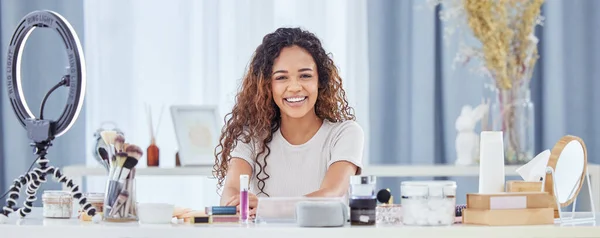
point(292, 115)
point(295, 83)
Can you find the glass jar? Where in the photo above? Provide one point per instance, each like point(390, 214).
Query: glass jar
point(428, 203)
point(363, 201)
point(120, 201)
point(57, 204)
point(362, 186)
point(97, 201)
point(389, 214)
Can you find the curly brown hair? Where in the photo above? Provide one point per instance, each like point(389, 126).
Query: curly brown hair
point(255, 116)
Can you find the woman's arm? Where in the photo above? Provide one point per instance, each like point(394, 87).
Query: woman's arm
point(346, 161)
point(337, 178)
point(231, 188)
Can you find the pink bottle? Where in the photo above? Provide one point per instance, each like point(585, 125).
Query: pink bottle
point(244, 206)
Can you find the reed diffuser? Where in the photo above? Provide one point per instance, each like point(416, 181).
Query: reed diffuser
point(152, 152)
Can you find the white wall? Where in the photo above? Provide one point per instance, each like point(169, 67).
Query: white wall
point(195, 52)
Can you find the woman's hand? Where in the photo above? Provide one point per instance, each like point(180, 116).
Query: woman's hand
point(252, 202)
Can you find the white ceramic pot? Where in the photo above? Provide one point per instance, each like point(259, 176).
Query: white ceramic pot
point(155, 213)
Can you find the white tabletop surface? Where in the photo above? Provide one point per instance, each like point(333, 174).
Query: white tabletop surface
point(35, 226)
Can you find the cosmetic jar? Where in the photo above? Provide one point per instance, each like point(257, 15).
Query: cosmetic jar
point(387, 212)
point(428, 203)
point(362, 186)
point(363, 202)
point(57, 204)
point(363, 211)
point(97, 201)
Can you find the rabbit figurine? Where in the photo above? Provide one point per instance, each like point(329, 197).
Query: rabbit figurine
point(467, 141)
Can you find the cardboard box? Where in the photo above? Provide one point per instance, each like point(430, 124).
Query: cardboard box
point(518, 200)
point(523, 186)
point(509, 217)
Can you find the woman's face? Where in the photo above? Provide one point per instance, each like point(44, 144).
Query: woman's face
point(295, 82)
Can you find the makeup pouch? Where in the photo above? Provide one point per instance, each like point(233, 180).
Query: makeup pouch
point(321, 213)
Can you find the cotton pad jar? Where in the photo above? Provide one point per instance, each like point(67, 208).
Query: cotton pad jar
point(428, 203)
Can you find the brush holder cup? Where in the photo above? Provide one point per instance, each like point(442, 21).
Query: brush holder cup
point(120, 201)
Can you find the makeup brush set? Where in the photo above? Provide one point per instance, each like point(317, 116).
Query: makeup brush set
point(119, 203)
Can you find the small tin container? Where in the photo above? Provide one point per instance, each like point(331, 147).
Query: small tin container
point(57, 204)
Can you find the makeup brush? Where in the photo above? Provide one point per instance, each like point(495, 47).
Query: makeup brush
point(125, 145)
point(105, 159)
point(109, 137)
point(119, 143)
point(134, 151)
point(129, 186)
point(114, 185)
point(121, 199)
point(121, 158)
point(129, 163)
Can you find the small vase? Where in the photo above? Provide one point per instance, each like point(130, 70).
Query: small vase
point(512, 112)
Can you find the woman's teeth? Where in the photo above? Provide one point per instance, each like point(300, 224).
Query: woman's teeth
point(296, 99)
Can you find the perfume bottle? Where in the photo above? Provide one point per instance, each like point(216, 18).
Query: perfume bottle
point(387, 211)
point(152, 154)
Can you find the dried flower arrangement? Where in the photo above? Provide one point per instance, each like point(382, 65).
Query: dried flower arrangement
point(507, 55)
point(508, 50)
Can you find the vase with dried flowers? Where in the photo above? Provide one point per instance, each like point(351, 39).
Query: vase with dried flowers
point(507, 56)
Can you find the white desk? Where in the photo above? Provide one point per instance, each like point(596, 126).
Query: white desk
point(35, 226)
point(77, 172)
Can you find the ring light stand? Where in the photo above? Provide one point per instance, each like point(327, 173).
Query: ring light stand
point(41, 130)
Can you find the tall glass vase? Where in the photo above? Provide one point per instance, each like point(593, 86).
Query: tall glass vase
point(512, 112)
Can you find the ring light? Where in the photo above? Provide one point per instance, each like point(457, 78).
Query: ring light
point(75, 75)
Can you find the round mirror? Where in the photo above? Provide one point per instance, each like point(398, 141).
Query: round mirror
point(569, 161)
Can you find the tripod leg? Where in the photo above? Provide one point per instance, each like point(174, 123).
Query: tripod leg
point(60, 177)
point(13, 195)
point(37, 178)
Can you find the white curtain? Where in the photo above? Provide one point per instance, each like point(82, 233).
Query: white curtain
point(196, 52)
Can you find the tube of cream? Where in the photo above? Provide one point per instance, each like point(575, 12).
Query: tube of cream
point(244, 206)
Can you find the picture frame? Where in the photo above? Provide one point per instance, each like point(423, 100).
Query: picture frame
point(197, 130)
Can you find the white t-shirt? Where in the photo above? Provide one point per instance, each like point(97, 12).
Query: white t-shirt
point(296, 170)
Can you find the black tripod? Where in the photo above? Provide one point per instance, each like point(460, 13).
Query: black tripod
point(42, 131)
point(33, 179)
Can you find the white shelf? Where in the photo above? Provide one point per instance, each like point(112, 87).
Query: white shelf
point(82, 171)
